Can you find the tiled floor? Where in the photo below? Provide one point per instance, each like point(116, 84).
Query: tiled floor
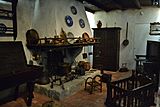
point(80, 99)
point(97, 99)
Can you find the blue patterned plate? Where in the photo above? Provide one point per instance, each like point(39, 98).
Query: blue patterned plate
point(81, 23)
point(69, 20)
point(73, 10)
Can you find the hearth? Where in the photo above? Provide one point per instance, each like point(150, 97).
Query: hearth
point(72, 84)
point(63, 79)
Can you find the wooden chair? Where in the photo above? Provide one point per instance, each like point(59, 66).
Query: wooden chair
point(92, 84)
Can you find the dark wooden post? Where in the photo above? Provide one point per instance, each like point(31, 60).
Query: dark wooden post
point(107, 79)
point(30, 89)
point(14, 12)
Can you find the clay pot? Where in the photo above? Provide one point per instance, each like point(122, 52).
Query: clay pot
point(81, 63)
point(87, 66)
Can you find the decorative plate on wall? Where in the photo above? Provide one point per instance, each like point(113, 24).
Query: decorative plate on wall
point(81, 23)
point(70, 37)
point(69, 20)
point(85, 37)
point(73, 10)
point(32, 37)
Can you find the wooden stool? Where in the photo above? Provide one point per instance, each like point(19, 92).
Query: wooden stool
point(94, 83)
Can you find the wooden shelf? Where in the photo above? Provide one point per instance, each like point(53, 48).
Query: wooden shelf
point(53, 47)
point(9, 14)
point(6, 14)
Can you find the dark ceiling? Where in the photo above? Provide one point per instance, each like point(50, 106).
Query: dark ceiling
point(109, 5)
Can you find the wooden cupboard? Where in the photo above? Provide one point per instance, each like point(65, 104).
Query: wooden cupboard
point(106, 54)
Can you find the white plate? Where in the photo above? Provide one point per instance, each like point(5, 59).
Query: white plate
point(70, 37)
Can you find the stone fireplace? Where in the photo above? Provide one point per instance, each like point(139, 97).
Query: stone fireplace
point(58, 61)
point(69, 88)
point(60, 68)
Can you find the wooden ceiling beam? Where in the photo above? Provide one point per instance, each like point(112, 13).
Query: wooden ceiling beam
point(97, 4)
point(89, 10)
point(129, 3)
point(108, 5)
point(114, 3)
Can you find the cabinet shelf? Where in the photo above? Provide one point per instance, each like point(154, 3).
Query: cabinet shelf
point(6, 35)
point(5, 17)
point(6, 31)
point(6, 14)
point(9, 14)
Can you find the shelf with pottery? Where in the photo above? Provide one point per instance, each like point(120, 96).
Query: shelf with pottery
point(44, 46)
point(62, 40)
point(56, 43)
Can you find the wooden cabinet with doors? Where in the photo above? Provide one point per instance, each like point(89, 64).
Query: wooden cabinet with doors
point(106, 54)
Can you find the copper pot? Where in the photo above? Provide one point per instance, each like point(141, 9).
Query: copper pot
point(87, 66)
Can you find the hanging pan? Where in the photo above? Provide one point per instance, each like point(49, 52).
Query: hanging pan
point(126, 41)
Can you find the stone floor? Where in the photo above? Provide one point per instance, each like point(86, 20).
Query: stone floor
point(80, 99)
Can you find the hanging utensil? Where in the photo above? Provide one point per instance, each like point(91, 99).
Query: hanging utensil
point(84, 54)
point(126, 41)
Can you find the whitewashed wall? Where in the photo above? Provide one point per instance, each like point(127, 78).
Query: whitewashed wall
point(138, 30)
point(48, 17)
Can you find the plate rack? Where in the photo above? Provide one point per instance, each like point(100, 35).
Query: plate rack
point(9, 14)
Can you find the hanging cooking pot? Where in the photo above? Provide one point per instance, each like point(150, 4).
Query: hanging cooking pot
point(126, 41)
